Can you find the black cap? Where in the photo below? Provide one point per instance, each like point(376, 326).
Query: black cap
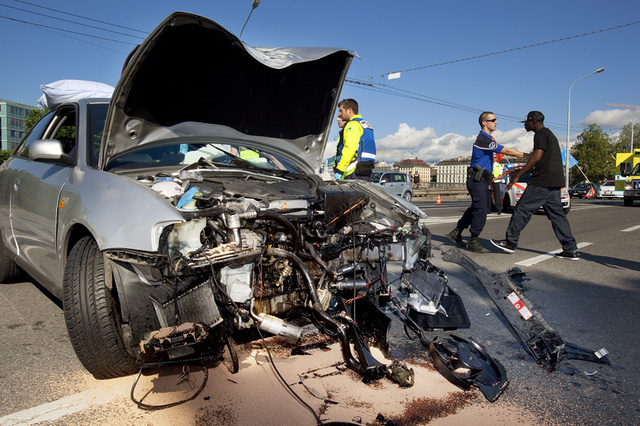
point(534, 116)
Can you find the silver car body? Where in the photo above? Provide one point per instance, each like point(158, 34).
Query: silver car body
point(145, 202)
point(398, 183)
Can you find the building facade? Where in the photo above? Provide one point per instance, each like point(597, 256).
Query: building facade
point(453, 170)
point(414, 165)
point(12, 117)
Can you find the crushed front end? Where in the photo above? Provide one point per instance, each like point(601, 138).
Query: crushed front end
point(273, 254)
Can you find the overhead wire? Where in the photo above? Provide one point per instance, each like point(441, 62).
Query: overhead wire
point(514, 49)
point(70, 21)
point(394, 91)
point(66, 31)
point(382, 88)
point(80, 16)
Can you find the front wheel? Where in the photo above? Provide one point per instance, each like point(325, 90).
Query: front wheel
point(628, 201)
point(92, 314)
point(506, 204)
point(407, 196)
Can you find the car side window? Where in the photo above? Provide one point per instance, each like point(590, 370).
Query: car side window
point(34, 134)
point(63, 128)
point(59, 124)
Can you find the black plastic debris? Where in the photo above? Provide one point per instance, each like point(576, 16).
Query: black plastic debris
point(466, 363)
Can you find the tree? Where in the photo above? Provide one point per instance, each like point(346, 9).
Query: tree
point(595, 154)
point(33, 117)
point(4, 154)
point(623, 140)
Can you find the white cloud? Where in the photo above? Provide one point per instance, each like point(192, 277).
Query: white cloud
point(425, 144)
point(612, 118)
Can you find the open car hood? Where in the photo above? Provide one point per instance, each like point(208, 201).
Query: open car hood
point(193, 80)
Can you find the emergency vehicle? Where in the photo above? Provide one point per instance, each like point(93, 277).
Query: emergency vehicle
point(628, 165)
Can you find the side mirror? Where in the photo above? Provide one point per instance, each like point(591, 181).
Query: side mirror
point(50, 151)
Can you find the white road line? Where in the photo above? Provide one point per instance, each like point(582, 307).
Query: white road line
point(54, 410)
point(633, 228)
point(538, 259)
point(434, 220)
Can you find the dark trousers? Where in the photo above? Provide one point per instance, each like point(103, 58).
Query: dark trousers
point(476, 215)
point(495, 188)
point(353, 176)
point(529, 203)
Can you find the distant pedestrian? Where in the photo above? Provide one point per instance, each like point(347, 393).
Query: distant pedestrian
point(416, 180)
point(478, 178)
point(543, 189)
point(356, 155)
point(495, 183)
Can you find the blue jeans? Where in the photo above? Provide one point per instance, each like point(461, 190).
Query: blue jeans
point(529, 203)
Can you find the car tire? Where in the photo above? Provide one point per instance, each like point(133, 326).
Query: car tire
point(567, 210)
point(407, 196)
point(92, 315)
point(506, 205)
point(9, 271)
point(628, 202)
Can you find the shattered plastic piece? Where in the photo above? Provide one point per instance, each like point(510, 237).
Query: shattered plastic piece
point(466, 363)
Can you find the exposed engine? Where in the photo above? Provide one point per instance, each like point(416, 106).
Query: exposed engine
point(271, 252)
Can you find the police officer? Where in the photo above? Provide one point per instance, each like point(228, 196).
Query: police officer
point(356, 151)
point(479, 176)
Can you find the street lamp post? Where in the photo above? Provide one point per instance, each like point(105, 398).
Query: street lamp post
point(566, 159)
point(253, 7)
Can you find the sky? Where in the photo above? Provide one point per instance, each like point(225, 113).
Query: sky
point(454, 59)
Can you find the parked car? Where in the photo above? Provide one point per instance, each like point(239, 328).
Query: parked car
point(186, 209)
point(608, 190)
point(398, 183)
point(581, 190)
point(511, 197)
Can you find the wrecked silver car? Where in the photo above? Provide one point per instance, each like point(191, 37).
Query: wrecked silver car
point(186, 209)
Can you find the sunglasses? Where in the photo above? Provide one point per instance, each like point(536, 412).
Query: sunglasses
point(492, 121)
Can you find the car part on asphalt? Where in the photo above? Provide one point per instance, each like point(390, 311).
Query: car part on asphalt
point(543, 343)
point(466, 363)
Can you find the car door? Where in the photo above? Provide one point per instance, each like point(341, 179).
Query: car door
point(394, 184)
point(34, 196)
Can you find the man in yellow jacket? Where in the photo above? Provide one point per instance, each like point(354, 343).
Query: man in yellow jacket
point(356, 150)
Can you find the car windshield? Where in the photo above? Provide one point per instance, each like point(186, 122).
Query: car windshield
point(375, 177)
point(213, 154)
point(582, 186)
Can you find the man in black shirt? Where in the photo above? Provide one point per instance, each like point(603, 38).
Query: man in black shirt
point(543, 189)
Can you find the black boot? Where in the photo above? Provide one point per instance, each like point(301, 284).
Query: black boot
point(475, 246)
point(455, 236)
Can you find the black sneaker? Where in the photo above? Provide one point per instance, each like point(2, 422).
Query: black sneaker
point(504, 245)
point(567, 255)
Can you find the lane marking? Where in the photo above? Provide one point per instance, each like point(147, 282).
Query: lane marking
point(633, 228)
point(542, 257)
point(62, 407)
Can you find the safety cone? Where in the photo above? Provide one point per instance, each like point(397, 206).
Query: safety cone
point(438, 201)
point(591, 193)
